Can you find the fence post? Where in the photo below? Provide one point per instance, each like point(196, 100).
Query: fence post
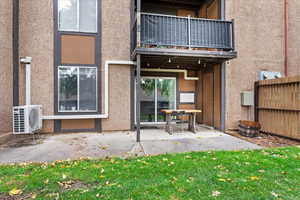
point(256, 101)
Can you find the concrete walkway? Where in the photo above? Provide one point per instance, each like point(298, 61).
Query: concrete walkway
point(95, 145)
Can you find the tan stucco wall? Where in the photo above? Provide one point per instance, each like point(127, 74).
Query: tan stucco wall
point(259, 42)
point(293, 38)
point(116, 46)
point(36, 40)
point(5, 65)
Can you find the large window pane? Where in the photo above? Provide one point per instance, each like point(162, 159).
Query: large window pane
point(68, 15)
point(68, 89)
point(147, 100)
point(88, 16)
point(166, 95)
point(88, 89)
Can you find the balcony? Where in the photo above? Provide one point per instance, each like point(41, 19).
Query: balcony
point(185, 35)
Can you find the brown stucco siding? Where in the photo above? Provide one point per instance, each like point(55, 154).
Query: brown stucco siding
point(6, 68)
point(116, 46)
point(293, 38)
point(36, 40)
point(259, 43)
point(119, 99)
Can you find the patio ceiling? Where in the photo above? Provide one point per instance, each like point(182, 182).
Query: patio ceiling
point(175, 62)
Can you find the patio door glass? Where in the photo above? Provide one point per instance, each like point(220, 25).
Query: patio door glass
point(156, 94)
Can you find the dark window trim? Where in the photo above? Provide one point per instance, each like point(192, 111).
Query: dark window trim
point(57, 62)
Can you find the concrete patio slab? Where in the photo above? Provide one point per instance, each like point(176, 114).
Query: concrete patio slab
point(121, 144)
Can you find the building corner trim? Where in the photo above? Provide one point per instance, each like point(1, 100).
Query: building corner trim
point(15, 51)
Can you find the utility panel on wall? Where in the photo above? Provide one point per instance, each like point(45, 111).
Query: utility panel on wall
point(247, 98)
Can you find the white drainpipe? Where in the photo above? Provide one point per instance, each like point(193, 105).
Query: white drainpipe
point(175, 71)
point(106, 96)
point(27, 62)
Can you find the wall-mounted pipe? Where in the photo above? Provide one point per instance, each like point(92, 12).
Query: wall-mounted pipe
point(184, 71)
point(27, 62)
point(106, 96)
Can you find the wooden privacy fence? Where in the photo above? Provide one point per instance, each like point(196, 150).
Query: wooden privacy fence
point(277, 106)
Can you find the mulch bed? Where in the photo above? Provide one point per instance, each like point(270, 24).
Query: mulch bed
point(267, 140)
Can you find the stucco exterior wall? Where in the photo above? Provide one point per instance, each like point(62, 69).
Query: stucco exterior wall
point(36, 40)
point(116, 46)
point(293, 38)
point(6, 67)
point(259, 31)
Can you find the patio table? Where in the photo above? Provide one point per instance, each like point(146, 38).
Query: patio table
point(192, 118)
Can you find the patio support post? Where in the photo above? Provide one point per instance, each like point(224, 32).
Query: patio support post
point(223, 96)
point(138, 98)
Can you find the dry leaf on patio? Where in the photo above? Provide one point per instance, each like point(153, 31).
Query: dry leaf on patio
point(216, 193)
point(15, 191)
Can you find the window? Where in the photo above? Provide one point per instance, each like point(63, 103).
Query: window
point(77, 15)
point(77, 89)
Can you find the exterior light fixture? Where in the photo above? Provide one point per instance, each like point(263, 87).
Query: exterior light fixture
point(170, 60)
point(199, 62)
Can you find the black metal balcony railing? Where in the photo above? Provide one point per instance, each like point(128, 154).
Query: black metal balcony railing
point(165, 30)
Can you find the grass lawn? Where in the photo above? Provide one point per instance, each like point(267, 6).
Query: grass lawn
point(253, 175)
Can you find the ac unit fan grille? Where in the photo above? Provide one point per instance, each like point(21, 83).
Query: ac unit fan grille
point(19, 120)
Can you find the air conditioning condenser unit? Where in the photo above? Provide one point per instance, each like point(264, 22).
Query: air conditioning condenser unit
point(27, 119)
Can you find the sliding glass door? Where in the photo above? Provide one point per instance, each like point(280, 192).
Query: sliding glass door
point(157, 93)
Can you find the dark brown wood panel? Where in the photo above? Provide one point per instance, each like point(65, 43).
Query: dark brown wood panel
point(78, 124)
point(199, 99)
point(213, 11)
point(78, 49)
point(186, 85)
point(217, 96)
point(208, 96)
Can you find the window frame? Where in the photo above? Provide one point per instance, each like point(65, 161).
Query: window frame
point(78, 89)
point(77, 30)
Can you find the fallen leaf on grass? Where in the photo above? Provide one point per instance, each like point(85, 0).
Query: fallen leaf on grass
point(66, 184)
point(216, 193)
point(274, 194)
point(254, 178)
point(33, 196)
point(15, 191)
point(64, 176)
